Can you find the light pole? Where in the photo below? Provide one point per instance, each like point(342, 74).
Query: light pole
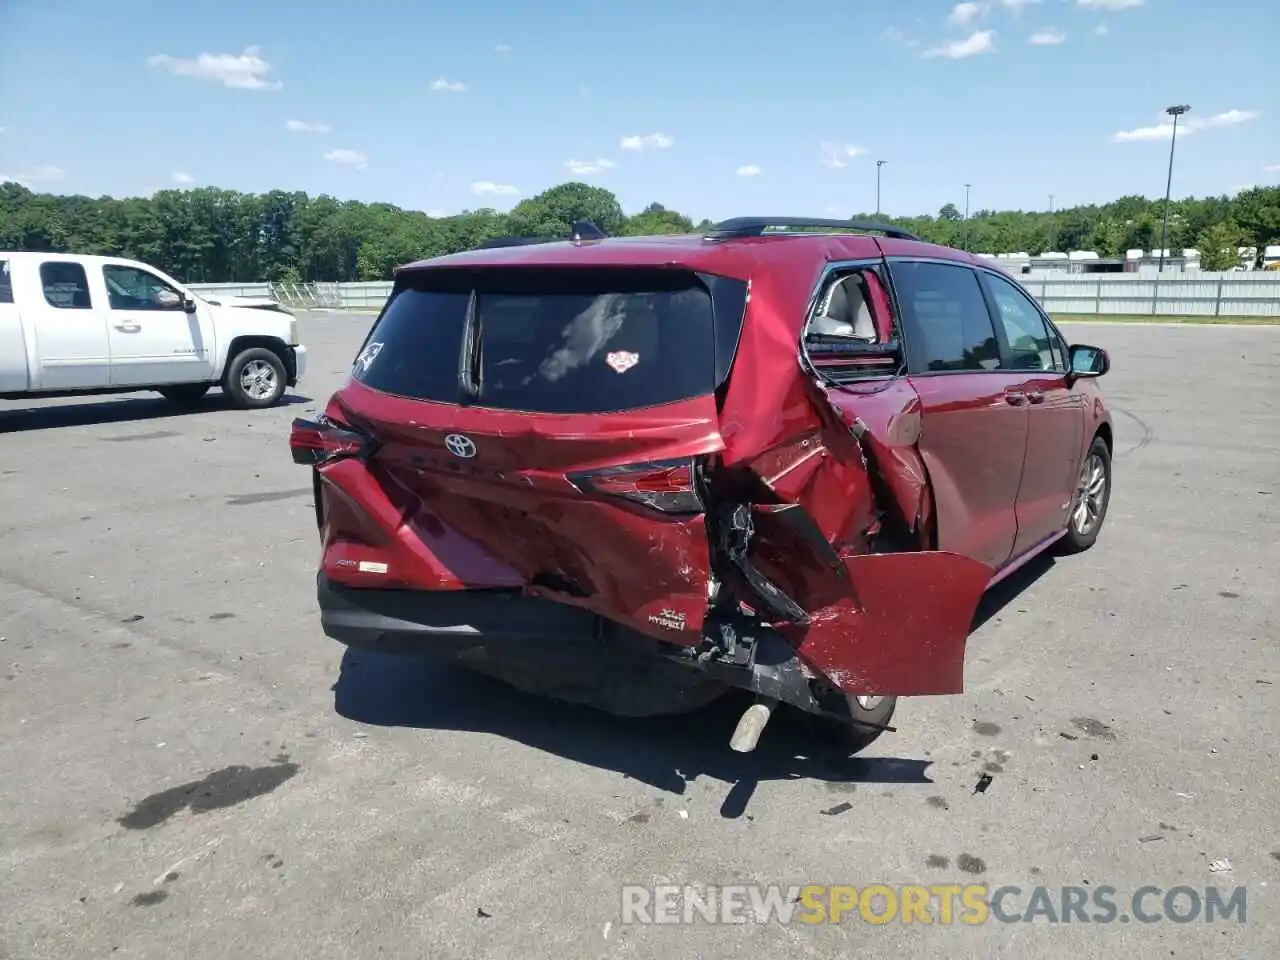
point(967, 187)
point(879, 164)
point(1175, 112)
point(1051, 204)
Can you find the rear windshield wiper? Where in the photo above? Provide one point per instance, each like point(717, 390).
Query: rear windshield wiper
point(470, 374)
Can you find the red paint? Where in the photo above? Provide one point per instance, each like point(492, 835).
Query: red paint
point(978, 481)
point(922, 601)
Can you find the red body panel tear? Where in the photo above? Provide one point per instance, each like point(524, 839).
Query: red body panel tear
point(903, 629)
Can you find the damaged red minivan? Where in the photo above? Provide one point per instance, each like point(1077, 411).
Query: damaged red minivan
point(788, 456)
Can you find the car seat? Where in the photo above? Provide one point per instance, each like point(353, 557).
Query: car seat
point(845, 313)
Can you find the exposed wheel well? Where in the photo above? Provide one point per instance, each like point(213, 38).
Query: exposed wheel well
point(1104, 431)
point(274, 344)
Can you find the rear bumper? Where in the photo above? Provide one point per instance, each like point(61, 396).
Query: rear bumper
point(516, 637)
point(444, 622)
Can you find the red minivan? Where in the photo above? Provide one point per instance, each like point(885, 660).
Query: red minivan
point(788, 456)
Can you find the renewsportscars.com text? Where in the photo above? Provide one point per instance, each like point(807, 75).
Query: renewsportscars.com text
point(944, 904)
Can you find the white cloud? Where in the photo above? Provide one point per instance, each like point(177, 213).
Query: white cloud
point(1272, 168)
point(980, 41)
point(1100, 29)
point(348, 158)
point(41, 174)
point(242, 71)
point(183, 178)
point(503, 48)
point(448, 86)
point(1109, 4)
point(965, 13)
point(1164, 129)
point(648, 141)
point(1048, 37)
point(750, 170)
point(585, 168)
point(306, 126)
point(838, 154)
point(487, 188)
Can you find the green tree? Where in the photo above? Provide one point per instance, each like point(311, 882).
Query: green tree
point(214, 235)
point(1218, 245)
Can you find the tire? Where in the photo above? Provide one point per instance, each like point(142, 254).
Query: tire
point(863, 726)
point(254, 379)
point(185, 394)
point(866, 724)
point(1090, 501)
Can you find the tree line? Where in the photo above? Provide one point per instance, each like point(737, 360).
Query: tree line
point(211, 235)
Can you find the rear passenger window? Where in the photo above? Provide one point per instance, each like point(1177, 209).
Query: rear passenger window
point(65, 285)
point(6, 285)
point(949, 317)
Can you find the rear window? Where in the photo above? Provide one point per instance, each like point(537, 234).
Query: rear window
point(551, 340)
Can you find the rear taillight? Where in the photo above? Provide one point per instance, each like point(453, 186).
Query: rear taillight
point(320, 441)
point(668, 486)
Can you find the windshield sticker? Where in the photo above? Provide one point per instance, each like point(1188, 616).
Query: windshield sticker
point(621, 360)
point(367, 356)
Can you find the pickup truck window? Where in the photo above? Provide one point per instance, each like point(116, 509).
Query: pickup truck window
point(66, 285)
point(6, 285)
point(129, 288)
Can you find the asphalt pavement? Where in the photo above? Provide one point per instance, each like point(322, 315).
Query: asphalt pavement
point(189, 768)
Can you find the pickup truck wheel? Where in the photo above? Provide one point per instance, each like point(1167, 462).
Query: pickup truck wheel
point(254, 379)
point(185, 394)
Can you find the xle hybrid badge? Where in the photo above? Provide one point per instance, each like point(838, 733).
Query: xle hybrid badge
point(460, 446)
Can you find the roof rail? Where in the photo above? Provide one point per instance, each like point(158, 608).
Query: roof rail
point(579, 231)
point(755, 226)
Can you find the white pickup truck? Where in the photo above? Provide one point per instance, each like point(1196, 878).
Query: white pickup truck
point(72, 324)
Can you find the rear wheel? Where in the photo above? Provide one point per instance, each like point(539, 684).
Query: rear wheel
point(1092, 496)
point(868, 716)
point(185, 394)
point(254, 378)
point(862, 726)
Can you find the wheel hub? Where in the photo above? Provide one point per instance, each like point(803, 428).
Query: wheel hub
point(1091, 495)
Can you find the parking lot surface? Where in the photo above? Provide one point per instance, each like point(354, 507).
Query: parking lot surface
point(189, 768)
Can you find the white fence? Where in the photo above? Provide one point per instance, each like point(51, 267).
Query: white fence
point(1194, 294)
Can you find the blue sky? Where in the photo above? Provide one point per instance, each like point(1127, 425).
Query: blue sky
point(716, 108)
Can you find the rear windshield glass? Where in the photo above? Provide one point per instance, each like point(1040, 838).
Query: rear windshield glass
point(551, 340)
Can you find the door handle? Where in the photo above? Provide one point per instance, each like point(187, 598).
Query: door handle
point(1015, 397)
point(128, 327)
point(1036, 396)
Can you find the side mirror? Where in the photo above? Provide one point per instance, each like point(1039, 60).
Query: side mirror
point(1087, 361)
point(188, 305)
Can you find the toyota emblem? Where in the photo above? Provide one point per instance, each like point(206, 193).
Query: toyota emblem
point(460, 446)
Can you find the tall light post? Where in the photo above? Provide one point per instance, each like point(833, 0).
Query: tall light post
point(1051, 204)
point(1175, 112)
point(967, 187)
point(879, 164)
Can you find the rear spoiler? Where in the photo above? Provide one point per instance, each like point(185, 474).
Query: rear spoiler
point(580, 231)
